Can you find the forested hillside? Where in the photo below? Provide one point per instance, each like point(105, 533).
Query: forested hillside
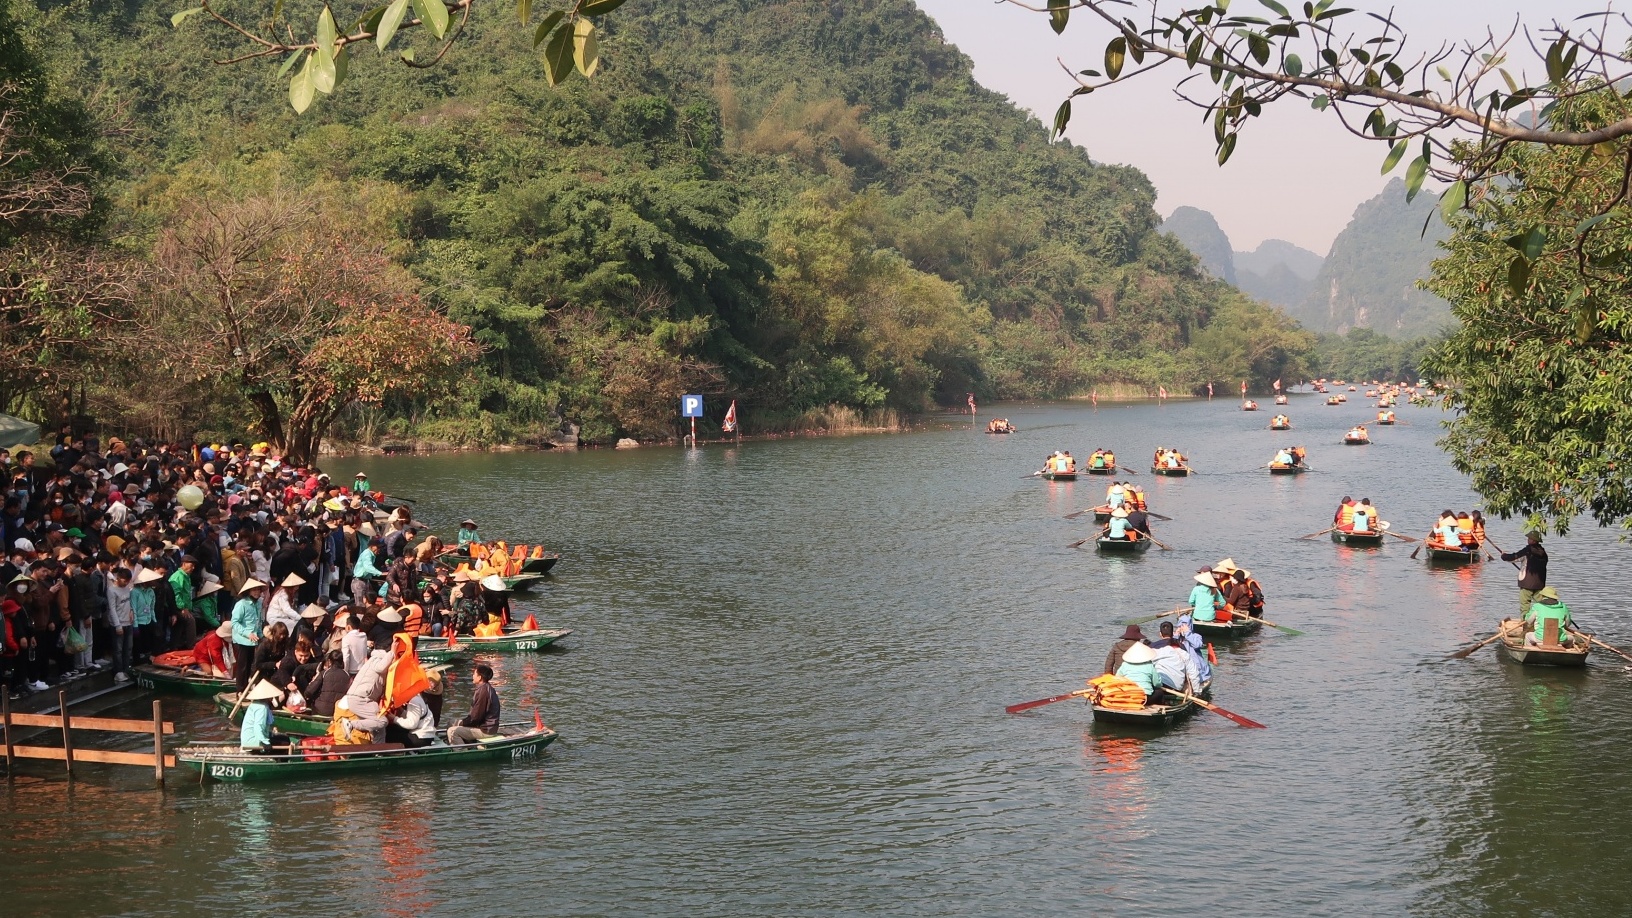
point(803, 205)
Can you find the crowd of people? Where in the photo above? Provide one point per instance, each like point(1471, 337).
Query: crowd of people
point(1464, 531)
point(120, 553)
point(1167, 458)
point(1356, 516)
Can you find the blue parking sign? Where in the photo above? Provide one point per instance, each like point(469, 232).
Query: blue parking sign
point(691, 406)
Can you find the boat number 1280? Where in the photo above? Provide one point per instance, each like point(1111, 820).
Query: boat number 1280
point(226, 771)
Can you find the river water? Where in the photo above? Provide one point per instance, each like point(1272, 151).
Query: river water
point(784, 696)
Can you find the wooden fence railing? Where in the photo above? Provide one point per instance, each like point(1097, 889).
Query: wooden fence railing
point(69, 724)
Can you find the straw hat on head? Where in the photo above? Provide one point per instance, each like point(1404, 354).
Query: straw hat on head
point(1228, 564)
point(264, 691)
point(1139, 653)
point(493, 582)
point(250, 584)
point(225, 631)
point(1206, 580)
point(468, 522)
point(461, 576)
point(342, 620)
point(148, 575)
point(1119, 513)
point(366, 529)
point(208, 589)
point(293, 580)
point(1548, 593)
point(390, 616)
point(313, 611)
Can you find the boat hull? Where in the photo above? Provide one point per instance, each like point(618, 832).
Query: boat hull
point(1453, 556)
point(541, 565)
point(227, 763)
point(1357, 538)
point(1513, 646)
point(1234, 630)
point(1280, 427)
point(1123, 546)
point(1151, 716)
point(166, 680)
point(436, 648)
point(1287, 470)
point(1384, 423)
point(1059, 476)
point(1179, 472)
point(1107, 470)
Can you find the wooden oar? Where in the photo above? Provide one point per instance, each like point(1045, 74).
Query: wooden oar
point(1033, 474)
point(1078, 543)
point(1165, 519)
point(1320, 533)
point(242, 695)
point(1614, 650)
point(1159, 543)
point(1150, 618)
point(1243, 721)
point(1401, 537)
point(1499, 551)
point(1267, 622)
point(1072, 516)
point(1028, 705)
point(1465, 652)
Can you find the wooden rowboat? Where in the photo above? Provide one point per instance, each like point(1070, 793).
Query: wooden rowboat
point(518, 641)
point(1513, 646)
point(282, 721)
point(1233, 630)
point(1287, 469)
point(1373, 538)
point(540, 565)
point(1179, 472)
point(169, 680)
point(1282, 400)
point(1152, 715)
point(1280, 427)
point(230, 763)
point(1452, 556)
point(1381, 422)
point(1123, 546)
point(1356, 441)
point(1106, 470)
point(1060, 476)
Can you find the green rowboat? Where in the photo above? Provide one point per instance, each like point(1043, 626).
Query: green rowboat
point(1102, 470)
point(1453, 556)
point(282, 721)
point(1152, 715)
point(229, 763)
point(530, 566)
point(1513, 646)
point(436, 648)
point(1179, 472)
point(1374, 538)
point(1123, 546)
point(168, 680)
point(1233, 630)
point(1059, 476)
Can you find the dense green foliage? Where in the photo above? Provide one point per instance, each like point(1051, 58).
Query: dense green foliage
point(796, 204)
point(1541, 380)
point(1365, 354)
point(1201, 234)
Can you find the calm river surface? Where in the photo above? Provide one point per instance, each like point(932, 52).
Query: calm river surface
point(784, 696)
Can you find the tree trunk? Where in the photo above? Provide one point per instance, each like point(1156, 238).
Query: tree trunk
point(271, 418)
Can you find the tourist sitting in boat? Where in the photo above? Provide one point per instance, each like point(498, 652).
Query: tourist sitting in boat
point(1545, 608)
point(1097, 459)
point(1118, 527)
point(483, 720)
point(1194, 643)
point(1175, 666)
point(1206, 603)
point(468, 534)
point(1281, 420)
point(1000, 425)
point(1069, 462)
point(1174, 459)
point(1361, 519)
point(1135, 496)
point(1283, 459)
point(299, 667)
point(1130, 636)
point(496, 598)
point(1448, 532)
point(1249, 405)
point(1115, 495)
point(1244, 594)
point(1357, 433)
point(1139, 667)
point(269, 653)
point(411, 724)
point(357, 717)
point(255, 734)
point(329, 685)
point(1139, 521)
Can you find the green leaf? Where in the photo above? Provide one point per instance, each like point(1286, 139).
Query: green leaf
point(288, 62)
point(1530, 244)
point(1281, 10)
point(546, 26)
point(1555, 61)
point(342, 63)
point(301, 89)
point(1258, 46)
point(1192, 52)
point(182, 16)
point(1115, 54)
point(1587, 224)
point(1324, 15)
point(599, 7)
point(558, 57)
point(327, 32)
point(1452, 200)
point(1414, 174)
point(1445, 74)
point(585, 55)
point(324, 72)
point(524, 10)
point(1062, 117)
point(369, 21)
point(1058, 12)
point(1518, 275)
point(1225, 149)
point(434, 15)
point(1294, 65)
point(1319, 103)
point(389, 23)
point(1393, 157)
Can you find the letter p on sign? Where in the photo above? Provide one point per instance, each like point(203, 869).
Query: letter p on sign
point(691, 406)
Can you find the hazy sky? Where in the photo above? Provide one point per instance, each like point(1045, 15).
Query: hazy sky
point(1296, 174)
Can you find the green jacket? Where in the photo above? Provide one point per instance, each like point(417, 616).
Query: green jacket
point(182, 586)
point(1540, 612)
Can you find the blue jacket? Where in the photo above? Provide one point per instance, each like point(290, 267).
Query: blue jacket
point(246, 622)
point(364, 568)
point(1204, 603)
point(1142, 674)
point(257, 729)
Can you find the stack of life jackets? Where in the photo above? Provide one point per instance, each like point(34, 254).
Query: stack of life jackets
point(1111, 691)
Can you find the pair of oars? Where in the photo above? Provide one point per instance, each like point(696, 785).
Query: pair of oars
point(1144, 535)
point(1243, 721)
point(1183, 609)
point(1107, 507)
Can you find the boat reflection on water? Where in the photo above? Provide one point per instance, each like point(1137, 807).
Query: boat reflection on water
point(407, 855)
point(1121, 795)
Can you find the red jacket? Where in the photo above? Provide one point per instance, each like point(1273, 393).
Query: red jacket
point(209, 651)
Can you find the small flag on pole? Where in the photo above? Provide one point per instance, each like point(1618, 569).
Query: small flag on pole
point(1277, 385)
point(1094, 396)
point(1209, 390)
point(730, 418)
point(1161, 392)
point(1243, 387)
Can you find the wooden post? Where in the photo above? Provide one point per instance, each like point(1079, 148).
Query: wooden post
point(5, 723)
point(158, 741)
point(67, 736)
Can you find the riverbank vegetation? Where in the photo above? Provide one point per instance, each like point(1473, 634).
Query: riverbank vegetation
point(811, 208)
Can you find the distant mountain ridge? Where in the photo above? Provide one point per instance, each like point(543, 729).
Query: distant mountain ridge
point(1368, 280)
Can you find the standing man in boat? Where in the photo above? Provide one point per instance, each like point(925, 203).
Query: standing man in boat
point(1534, 578)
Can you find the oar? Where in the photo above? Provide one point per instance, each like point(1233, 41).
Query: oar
point(1499, 551)
point(1159, 543)
point(1414, 552)
point(1465, 652)
point(1267, 622)
point(242, 695)
point(1151, 618)
point(1320, 533)
point(1078, 543)
point(1072, 516)
point(1614, 650)
point(1243, 721)
point(1165, 519)
point(1400, 537)
point(1028, 705)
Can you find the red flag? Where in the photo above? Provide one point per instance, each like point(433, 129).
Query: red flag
point(1243, 387)
point(538, 722)
point(730, 418)
point(1209, 390)
point(1161, 391)
point(531, 624)
point(1277, 385)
